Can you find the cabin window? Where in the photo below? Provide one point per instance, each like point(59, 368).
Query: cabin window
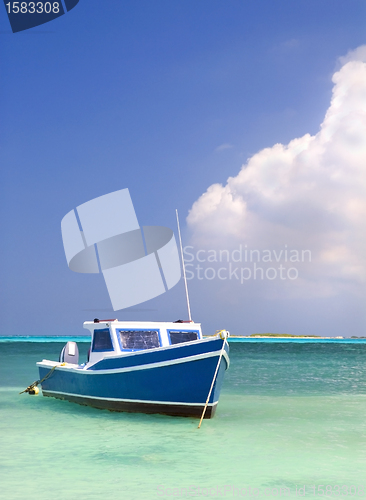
point(102, 340)
point(138, 339)
point(180, 336)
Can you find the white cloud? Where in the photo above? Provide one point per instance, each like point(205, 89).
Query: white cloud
point(293, 43)
point(308, 194)
point(224, 146)
point(358, 54)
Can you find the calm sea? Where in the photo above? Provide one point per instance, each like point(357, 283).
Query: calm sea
point(291, 421)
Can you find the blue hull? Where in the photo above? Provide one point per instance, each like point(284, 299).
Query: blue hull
point(175, 380)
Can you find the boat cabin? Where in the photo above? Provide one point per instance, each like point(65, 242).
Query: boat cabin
point(110, 338)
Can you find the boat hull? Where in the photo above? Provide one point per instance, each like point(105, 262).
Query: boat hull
point(172, 381)
point(138, 407)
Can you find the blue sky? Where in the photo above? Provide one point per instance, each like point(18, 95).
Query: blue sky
point(164, 98)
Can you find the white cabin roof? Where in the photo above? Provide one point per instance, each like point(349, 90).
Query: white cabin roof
point(171, 325)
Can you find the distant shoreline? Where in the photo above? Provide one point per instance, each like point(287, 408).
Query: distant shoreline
point(286, 336)
point(276, 338)
point(297, 339)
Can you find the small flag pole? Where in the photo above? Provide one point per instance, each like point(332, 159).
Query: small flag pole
point(184, 269)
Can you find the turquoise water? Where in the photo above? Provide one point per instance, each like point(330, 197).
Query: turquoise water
point(290, 415)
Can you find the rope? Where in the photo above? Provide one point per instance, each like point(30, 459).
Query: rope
point(221, 333)
point(37, 382)
point(213, 380)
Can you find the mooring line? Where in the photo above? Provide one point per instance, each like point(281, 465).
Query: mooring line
point(213, 381)
point(31, 387)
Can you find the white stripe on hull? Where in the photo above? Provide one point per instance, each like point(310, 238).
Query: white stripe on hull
point(69, 367)
point(146, 401)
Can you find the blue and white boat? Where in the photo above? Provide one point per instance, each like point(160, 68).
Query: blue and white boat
point(148, 367)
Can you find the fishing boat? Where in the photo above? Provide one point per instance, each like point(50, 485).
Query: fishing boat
point(137, 366)
point(148, 367)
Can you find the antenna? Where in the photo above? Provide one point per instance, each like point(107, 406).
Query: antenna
point(184, 269)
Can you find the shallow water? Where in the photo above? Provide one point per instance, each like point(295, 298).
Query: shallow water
point(290, 415)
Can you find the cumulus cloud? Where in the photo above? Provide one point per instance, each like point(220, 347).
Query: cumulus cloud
point(358, 54)
point(308, 194)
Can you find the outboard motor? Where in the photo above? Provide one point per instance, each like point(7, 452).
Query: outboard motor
point(70, 353)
